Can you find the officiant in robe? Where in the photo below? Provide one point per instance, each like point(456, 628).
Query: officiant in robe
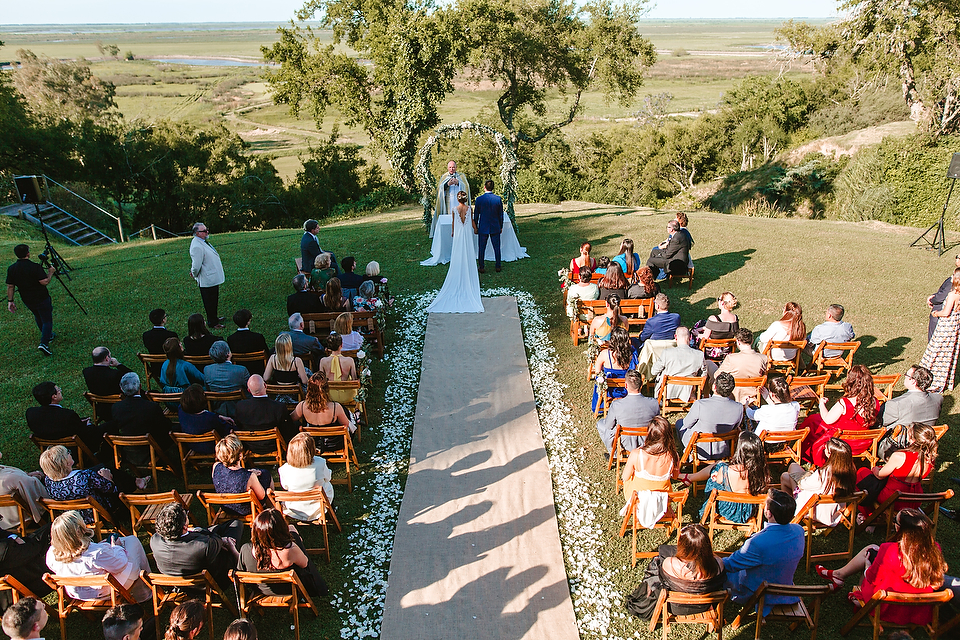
point(450, 184)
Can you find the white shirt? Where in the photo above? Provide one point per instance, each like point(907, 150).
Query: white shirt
point(303, 479)
point(775, 417)
point(98, 559)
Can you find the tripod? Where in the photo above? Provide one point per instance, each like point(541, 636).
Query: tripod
point(51, 257)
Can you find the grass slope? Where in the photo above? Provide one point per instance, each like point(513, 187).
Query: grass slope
point(765, 262)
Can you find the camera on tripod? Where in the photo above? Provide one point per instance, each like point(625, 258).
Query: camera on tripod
point(47, 260)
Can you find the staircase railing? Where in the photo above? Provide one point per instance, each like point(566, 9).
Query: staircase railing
point(72, 201)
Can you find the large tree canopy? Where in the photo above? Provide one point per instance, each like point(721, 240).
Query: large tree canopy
point(64, 89)
point(529, 47)
point(395, 98)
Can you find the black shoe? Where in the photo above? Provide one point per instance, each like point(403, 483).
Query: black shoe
point(950, 513)
point(498, 269)
point(481, 270)
point(45, 349)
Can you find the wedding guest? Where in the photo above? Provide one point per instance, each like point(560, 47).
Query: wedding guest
point(581, 290)
point(199, 339)
point(918, 404)
point(747, 472)
point(628, 261)
point(790, 326)
point(613, 283)
point(779, 413)
point(352, 340)
point(241, 629)
point(644, 286)
point(125, 622)
point(583, 261)
point(832, 329)
point(857, 410)
point(305, 470)
point(745, 363)
point(632, 410)
point(186, 621)
point(717, 414)
point(277, 546)
point(25, 619)
point(29, 488)
point(229, 475)
point(837, 478)
point(663, 324)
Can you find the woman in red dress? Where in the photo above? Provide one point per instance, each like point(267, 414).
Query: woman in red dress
point(911, 563)
point(857, 410)
point(904, 469)
point(582, 261)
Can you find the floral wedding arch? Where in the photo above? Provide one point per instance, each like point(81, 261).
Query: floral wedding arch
point(508, 167)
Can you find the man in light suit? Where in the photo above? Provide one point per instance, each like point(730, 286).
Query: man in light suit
point(916, 405)
point(452, 183)
point(935, 302)
point(681, 360)
point(632, 410)
point(745, 363)
point(207, 270)
point(718, 414)
point(488, 223)
point(771, 555)
point(673, 257)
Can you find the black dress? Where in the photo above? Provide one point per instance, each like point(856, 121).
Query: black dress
point(694, 587)
point(309, 575)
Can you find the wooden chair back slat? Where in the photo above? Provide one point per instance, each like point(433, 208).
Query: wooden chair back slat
point(674, 405)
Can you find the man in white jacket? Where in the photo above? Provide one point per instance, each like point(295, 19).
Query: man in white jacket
point(207, 270)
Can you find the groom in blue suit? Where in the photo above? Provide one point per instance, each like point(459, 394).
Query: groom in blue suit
point(488, 223)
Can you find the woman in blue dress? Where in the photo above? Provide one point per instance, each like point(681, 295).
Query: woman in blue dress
point(746, 472)
point(629, 261)
point(614, 362)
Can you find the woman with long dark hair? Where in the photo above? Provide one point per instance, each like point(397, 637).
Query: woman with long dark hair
point(613, 283)
point(838, 477)
point(628, 261)
point(602, 326)
point(614, 362)
point(199, 339)
point(333, 299)
point(746, 472)
point(276, 546)
point(176, 374)
point(790, 326)
point(911, 563)
point(858, 409)
point(648, 472)
point(186, 621)
point(694, 569)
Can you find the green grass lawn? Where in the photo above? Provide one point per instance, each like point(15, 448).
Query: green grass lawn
point(866, 267)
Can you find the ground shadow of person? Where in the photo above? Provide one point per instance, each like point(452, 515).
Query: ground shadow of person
point(878, 355)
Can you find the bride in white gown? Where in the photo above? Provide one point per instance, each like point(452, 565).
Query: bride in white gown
point(460, 292)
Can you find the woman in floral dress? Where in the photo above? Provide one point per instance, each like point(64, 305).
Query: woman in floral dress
point(941, 354)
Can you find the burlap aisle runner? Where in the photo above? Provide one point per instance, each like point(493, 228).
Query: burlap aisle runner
point(477, 550)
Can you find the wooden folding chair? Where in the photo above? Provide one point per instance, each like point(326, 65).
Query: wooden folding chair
point(859, 438)
point(200, 361)
point(95, 401)
point(158, 459)
point(807, 390)
point(350, 405)
point(848, 520)
point(215, 505)
point(871, 611)
point(102, 520)
point(19, 590)
point(939, 429)
point(837, 366)
point(170, 591)
point(256, 358)
point(786, 367)
point(298, 598)
point(279, 498)
point(294, 390)
point(216, 398)
point(754, 384)
point(66, 604)
point(794, 614)
point(670, 522)
point(345, 455)
point(151, 362)
point(262, 447)
point(145, 507)
point(931, 501)
point(165, 400)
point(674, 405)
point(603, 402)
point(714, 522)
point(686, 275)
point(712, 617)
point(728, 345)
point(199, 461)
point(84, 456)
point(883, 385)
point(585, 307)
point(619, 453)
point(24, 512)
point(791, 442)
point(692, 456)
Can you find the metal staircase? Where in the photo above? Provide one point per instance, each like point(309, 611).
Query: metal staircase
point(61, 222)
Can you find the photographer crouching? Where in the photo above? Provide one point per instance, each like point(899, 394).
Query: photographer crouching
point(32, 280)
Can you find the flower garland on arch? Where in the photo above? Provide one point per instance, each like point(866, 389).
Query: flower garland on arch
point(508, 166)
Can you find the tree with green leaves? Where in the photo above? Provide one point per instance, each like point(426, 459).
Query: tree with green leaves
point(395, 98)
point(529, 48)
point(64, 89)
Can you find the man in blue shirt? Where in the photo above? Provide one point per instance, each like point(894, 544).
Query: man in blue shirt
point(663, 325)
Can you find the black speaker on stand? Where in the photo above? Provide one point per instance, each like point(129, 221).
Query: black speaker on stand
point(938, 241)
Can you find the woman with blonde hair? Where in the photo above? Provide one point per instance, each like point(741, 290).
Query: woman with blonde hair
point(723, 325)
point(338, 367)
point(790, 326)
point(283, 367)
point(303, 471)
point(63, 482)
point(73, 553)
point(229, 476)
point(186, 621)
point(322, 272)
point(319, 411)
point(344, 326)
point(940, 356)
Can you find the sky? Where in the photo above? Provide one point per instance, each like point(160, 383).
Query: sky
point(127, 11)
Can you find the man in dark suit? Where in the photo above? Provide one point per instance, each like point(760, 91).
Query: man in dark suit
point(304, 346)
point(154, 338)
point(663, 324)
point(303, 301)
point(137, 416)
point(488, 223)
point(717, 415)
point(260, 413)
point(244, 340)
point(350, 281)
point(310, 248)
point(674, 256)
point(51, 421)
point(25, 558)
point(223, 375)
point(182, 551)
point(103, 378)
point(935, 302)
point(632, 410)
